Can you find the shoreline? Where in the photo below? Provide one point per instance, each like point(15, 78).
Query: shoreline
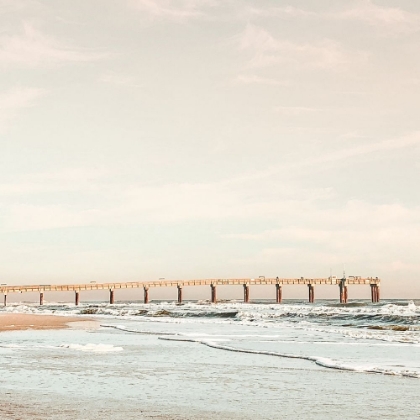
point(18, 322)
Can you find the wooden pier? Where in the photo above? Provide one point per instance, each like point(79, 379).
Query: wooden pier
point(342, 283)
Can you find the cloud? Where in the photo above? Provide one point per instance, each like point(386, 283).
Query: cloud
point(16, 5)
point(390, 145)
point(283, 12)
point(258, 80)
point(14, 101)
point(390, 18)
point(119, 79)
point(26, 217)
point(378, 237)
point(367, 149)
point(352, 223)
point(31, 48)
point(411, 81)
point(175, 10)
point(267, 51)
point(294, 110)
point(119, 204)
point(341, 156)
point(65, 180)
point(129, 205)
point(248, 197)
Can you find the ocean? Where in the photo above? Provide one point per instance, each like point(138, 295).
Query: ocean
point(231, 360)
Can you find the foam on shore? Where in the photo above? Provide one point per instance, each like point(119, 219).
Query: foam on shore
point(320, 361)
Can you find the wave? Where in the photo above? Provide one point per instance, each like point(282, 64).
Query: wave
point(356, 315)
point(391, 335)
point(96, 310)
point(393, 328)
point(122, 328)
point(92, 348)
point(320, 361)
point(399, 316)
point(354, 334)
point(89, 348)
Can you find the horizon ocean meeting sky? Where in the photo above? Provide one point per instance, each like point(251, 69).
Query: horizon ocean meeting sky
point(146, 139)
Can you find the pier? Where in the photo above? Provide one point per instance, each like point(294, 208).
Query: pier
point(246, 283)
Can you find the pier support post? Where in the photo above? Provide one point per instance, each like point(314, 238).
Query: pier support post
point(179, 294)
point(213, 293)
point(41, 298)
point(76, 298)
point(111, 297)
point(246, 293)
point(375, 293)
point(311, 289)
point(146, 294)
point(343, 291)
point(5, 299)
point(278, 293)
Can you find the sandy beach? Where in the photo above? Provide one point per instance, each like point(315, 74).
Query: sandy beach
point(14, 322)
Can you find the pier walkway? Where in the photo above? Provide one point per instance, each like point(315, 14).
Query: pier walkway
point(342, 283)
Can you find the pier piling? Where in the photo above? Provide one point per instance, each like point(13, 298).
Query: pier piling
point(278, 293)
point(375, 293)
point(146, 294)
point(76, 298)
point(41, 298)
point(213, 293)
point(246, 293)
point(5, 300)
point(343, 291)
point(179, 294)
point(311, 290)
point(111, 297)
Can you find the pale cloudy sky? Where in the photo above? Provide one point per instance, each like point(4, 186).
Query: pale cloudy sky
point(204, 138)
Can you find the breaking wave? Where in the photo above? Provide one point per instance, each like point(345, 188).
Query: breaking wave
point(321, 361)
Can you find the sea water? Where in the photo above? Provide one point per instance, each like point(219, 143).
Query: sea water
point(226, 361)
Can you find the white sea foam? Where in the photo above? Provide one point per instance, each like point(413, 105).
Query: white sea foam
point(245, 313)
point(290, 326)
point(321, 361)
point(404, 337)
point(92, 348)
point(135, 331)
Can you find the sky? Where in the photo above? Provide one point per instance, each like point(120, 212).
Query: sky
point(179, 139)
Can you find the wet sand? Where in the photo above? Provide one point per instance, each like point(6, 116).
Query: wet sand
point(14, 322)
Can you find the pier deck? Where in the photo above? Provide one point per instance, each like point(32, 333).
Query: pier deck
point(343, 283)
